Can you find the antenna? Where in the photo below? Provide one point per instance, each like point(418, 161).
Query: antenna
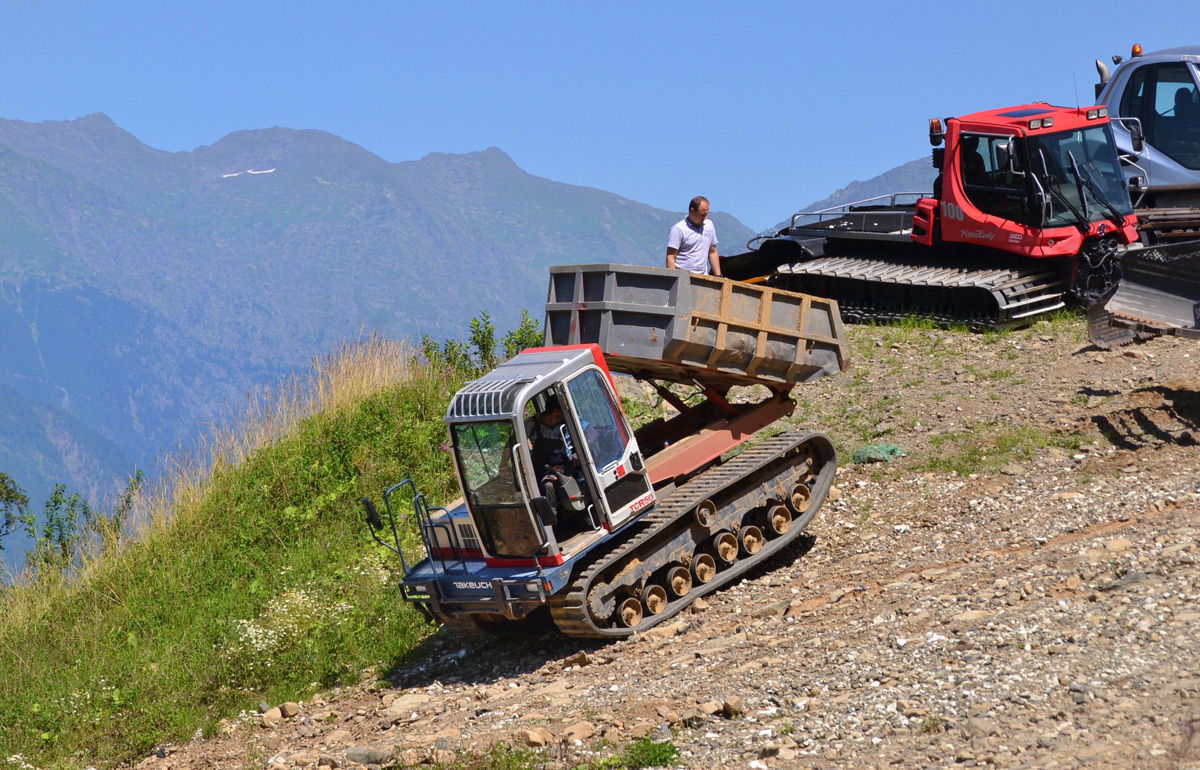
point(1075, 81)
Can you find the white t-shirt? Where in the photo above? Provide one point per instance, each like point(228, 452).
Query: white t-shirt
point(693, 244)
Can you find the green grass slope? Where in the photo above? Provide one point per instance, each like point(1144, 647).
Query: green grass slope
point(253, 576)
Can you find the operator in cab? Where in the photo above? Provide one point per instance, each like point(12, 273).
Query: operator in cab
point(552, 455)
point(692, 243)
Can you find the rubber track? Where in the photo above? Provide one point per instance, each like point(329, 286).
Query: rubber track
point(1019, 296)
point(569, 606)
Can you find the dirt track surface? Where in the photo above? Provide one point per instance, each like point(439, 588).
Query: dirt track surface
point(1031, 602)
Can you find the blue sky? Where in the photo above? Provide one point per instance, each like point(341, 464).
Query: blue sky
point(763, 107)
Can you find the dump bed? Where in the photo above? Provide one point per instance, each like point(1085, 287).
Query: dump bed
point(677, 326)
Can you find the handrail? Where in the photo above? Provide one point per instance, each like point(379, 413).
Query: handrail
point(845, 208)
point(387, 504)
point(425, 528)
point(526, 497)
point(834, 211)
point(1131, 160)
point(451, 535)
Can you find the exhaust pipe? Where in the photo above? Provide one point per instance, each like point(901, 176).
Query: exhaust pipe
point(1105, 75)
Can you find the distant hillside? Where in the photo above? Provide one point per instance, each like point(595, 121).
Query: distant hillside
point(140, 380)
point(41, 445)
point(914, 176)
point(144, 291)
point(38, 441)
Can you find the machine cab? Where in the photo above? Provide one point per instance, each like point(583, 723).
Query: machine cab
point(544, 456)
point(1155, 97)
point(1033, 180)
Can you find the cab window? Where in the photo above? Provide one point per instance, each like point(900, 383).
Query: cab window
point(1176, 118)
point(1131, 100)
point(991, 175)
point(603, 431)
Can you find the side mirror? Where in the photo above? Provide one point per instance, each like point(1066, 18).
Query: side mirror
point(541, 506)
point(1042, 202)
point(1003, 156)
point(1139, 139)
point(1006, 158)
point(372, 515)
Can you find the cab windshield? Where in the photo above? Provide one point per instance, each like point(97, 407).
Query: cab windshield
point(484, 453)
point(1082, 175)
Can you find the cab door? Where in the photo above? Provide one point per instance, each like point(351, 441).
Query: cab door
point(609, 448)
point(1165, 98)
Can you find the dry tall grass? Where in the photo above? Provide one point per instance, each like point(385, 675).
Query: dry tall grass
point(335, 381)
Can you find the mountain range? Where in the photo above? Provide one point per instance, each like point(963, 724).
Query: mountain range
point(145, 292)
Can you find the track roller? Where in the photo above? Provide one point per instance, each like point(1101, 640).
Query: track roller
point(704, 568)
point(799, 499)
point(723, 547)
point(776, 519)
point(677, 580)
point(629, 612)
point(654, 598)
point(750, 539)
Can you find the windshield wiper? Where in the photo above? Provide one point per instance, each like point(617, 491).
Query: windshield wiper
point(1086, 178)
point(1053, 186)
point(1079, 185)
point(1080, 220)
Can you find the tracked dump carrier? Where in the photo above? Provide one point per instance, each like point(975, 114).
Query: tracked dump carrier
point(635, 524)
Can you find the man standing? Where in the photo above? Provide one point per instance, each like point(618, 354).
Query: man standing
point(692, 244)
